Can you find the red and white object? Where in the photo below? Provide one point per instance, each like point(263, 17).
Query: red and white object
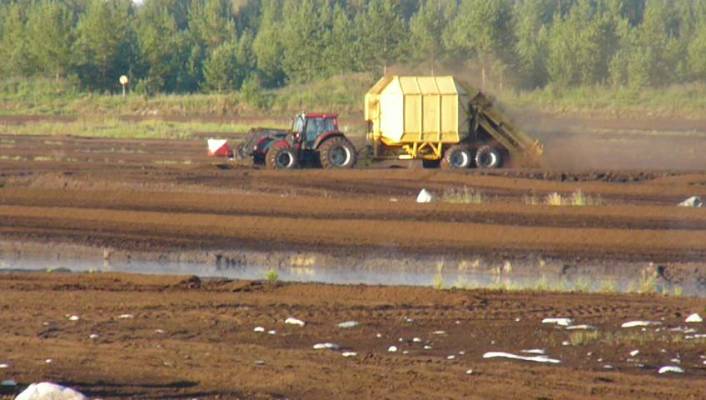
point(219, 148)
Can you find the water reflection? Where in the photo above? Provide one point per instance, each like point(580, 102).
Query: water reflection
point(438, 276)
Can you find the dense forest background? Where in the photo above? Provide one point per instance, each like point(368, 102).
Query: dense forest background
point(183, 46)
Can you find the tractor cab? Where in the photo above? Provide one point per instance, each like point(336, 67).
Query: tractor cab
point(309, 128)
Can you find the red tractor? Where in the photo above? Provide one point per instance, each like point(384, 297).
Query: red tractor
point(313, 140)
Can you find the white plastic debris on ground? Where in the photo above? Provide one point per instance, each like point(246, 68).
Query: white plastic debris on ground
point(49, 391)
point(349, 354)
point(540, 358)
point(326, 346)
point(294, 321)
point(392, 349)
point(670, 368)
point(580, 327)
point(558, 321)
point(694, 318)
point(424, 196)
point(258, 329)
point(533, 351)
point(126, 316)
point(693, 201)
point(3, 366)
point(348, 324)
point(637, 324)
point(74, 318)
point(634, 353)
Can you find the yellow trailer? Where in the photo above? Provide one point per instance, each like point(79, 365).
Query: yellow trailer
point(438, 119)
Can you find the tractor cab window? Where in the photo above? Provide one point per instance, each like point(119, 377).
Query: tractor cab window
point(315, 127)
point(298, 124)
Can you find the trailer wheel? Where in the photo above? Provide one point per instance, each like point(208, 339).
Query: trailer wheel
point(281, 158)
point(458, 156)
point(488, 157)
point(337, 152)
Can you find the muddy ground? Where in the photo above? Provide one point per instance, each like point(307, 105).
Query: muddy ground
point(167, 196)
point(180, 337)
point(163, 200)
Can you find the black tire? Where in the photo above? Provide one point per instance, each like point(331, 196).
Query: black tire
point(281, 158)
point(337, 152)
point(488, 157)
point(456, 157)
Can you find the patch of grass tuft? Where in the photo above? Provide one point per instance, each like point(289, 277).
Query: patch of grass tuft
point(465, 195)
point(272, 276)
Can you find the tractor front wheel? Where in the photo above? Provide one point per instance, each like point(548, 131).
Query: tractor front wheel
point(281, 158)
point(337, 152)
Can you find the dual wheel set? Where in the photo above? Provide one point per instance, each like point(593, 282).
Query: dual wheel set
point(463, 156)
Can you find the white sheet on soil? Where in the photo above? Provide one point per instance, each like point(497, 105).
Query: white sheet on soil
point(540, 358)
point(670, 368)
point(558, 321)
point(694, 318)
point(294, 321)
point(424, 196)
point(533, 351)
point(49, 391)
point(326, 346)
point(636, 324)
point(349, 354)
point(581, 327)
point(348, 324)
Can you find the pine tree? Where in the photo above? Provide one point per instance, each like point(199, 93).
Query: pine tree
point(267, 46)
point(426, 28)
point(14, 60)
point(303, 40)
point(482, 28)
point(581, 47)
point(105, 43)
point(49, 37)
point(382, 32)
point(531, 19)
point(342, 47)
point(158, 38)
point(219, 69)
point(211, 23)
point(246, 63)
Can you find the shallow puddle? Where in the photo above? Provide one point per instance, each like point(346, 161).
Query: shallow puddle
point(432, 277)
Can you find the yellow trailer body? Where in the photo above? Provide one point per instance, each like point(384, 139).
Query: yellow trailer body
point(417, 109)
point(420, 117)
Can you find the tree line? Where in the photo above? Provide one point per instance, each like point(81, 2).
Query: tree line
point(221, 45)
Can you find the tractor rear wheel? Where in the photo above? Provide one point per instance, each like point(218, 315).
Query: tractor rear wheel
point(488, 157)
point(457, 156)
point(337, 152)
point(281, 158)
